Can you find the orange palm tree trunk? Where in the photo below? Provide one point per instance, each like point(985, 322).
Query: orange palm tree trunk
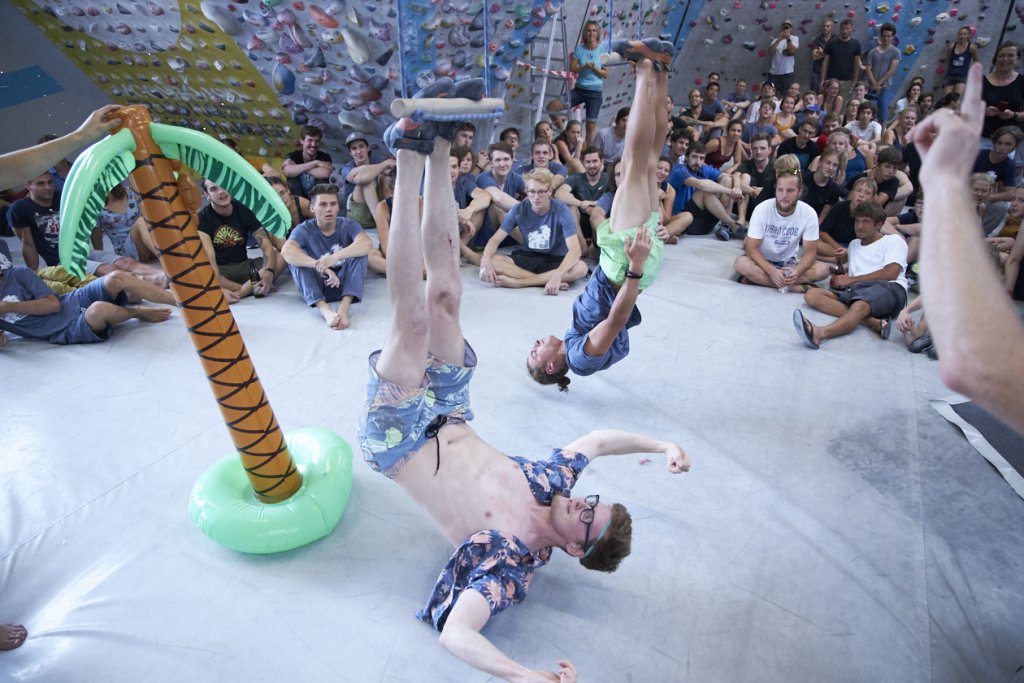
point(169, 207)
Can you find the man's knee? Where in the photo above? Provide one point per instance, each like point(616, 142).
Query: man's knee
point(814, 297)
point(743, 264)
point(445, 298)
point(862, 309)
point(116, 281)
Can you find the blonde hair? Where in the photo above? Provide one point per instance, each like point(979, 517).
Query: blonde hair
point(787, 164)
point(540, 175)
point(981, 179)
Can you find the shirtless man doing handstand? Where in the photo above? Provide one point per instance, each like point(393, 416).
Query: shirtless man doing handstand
point(503, 514)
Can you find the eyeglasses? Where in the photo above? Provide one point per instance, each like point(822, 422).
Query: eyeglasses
point(587, 517)
point(538, 193)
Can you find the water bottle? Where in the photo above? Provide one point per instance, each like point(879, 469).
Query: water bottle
point(787, 269)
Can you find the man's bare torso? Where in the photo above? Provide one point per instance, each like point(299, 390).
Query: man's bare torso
point(476, 487)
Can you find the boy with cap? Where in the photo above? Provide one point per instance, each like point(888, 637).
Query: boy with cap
point(359, 181)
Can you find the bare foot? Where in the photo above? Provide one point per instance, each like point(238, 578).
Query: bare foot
point(506, 281)
point(12, 636)
point(340, 321)
point(329, 315)
point(152, 315)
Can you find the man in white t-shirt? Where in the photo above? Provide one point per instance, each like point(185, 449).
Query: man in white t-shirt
point(875, 289)
point(783, 49)
point(772, 249)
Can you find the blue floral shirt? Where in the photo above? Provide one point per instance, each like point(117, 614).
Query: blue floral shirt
point(497, 565)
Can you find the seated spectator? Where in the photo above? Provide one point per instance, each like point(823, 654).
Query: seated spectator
point(865, 129)
point(754, 175)
point(785, 119)
point(376, 260)
point(915, 335)
point(35, 220)
point(359, 181)
point(551, 254)
point(30, 309)
point(224, 227)
point(298, 208)
point(838, 228)
point(603, 209)
point(327, 258)
point(581, 192)
point(821, 191)
point(510, 136)
point(853, 161)
point(767, 93)
point(543, 131)
point(777, 228)
point(569, 147)
point(1013, 274)
point(464, 156)
point(874, 290)
point(699, 188)
point(701, 118)
point(307, 166)
point(736, 104)
point(678, 142)
point(505, 187)
point(893, 185)
point(898, 134)
point(802, 145)
point(465, 133)
point(996, 162)
point(726, 152)
point(762, 124)
point(859, 92)
point(59, 171)
point(609, 141)
point(1006, 232)
point(542, 154)
point(556, 111)
point(829, 125)
point(912, 96)
point(850, 114)
point(811, 113)
point(120, 220)
point(832, 101)
point(472, 202)
point(666, 201)
point(908, 226)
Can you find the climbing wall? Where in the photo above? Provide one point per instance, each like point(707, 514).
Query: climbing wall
point(255, 71)
point(732, 36)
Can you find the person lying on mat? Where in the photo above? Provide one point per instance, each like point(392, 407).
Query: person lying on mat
point(504, 515)
point(974, 326)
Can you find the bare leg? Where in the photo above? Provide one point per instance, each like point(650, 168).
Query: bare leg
point(511, 275)
point(441, 247)
point(636, 196)
point(342, 319)
point(12, 636)
point(404, 354)
point(591, 127)
point(136, 289)
point(102, 314)
point(847, 317)
point(713, 204)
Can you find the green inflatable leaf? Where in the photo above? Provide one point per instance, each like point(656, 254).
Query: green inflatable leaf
point(94, 174)
point(226, 168)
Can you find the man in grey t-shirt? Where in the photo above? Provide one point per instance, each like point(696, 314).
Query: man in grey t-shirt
point(879, 67)
point(610, 141)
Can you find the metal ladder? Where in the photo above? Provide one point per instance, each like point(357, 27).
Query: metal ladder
point(554, 60)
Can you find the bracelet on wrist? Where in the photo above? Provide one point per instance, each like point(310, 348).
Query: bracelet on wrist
point(630, 275)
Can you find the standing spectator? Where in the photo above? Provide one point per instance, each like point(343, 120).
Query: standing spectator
point(879, 68)
point(307, 166)
point(842, 57)
point(783, 49)
point(1003, 93)
point(960, 54)
point(818, 50)
point(589, 89)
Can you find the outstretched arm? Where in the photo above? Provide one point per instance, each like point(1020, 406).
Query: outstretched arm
point(617, 442)
point(461, 637)
point(974, 325)
point(18, 166)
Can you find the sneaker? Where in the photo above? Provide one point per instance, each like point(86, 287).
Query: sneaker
point(658, 51)
point(921, 344)
point(932, 352)
point(407, 134)
point(469, 88)
point(740, 233)
point(722, 232)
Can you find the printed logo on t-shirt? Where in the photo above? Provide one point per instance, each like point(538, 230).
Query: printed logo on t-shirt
point(49, 227)
point(11, 317)
point(539, 239)
point(227, 237)
point(781, 235)
point(334, 250)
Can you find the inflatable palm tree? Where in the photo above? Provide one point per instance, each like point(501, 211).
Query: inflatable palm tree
point(151, 156)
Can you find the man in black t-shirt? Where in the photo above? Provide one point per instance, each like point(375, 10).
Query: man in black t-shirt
point(837, 230)
point(224, 227)
point(36, 222)
point(842, 58)
point(307, 166)
point(581, 192)
point(803, 145)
